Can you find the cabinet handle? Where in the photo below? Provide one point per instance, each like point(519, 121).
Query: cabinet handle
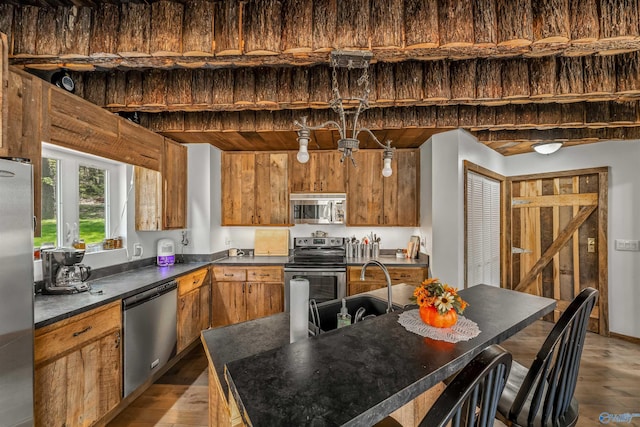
point(252, 220)
point(225, 275)
point(378, 219)
point(321, 189)
point(249, 287)
point(118, 339)
point(87, 329)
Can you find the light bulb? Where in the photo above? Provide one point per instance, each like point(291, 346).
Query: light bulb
point(303, 155)
point(386, 169)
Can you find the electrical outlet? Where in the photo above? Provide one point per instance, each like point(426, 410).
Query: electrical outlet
point(227, 242)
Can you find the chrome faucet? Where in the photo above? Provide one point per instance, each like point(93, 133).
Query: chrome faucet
point(386, 275)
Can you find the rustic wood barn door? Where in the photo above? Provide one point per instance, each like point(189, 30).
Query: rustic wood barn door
point(557, 232)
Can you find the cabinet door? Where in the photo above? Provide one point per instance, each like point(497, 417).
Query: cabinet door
point(358, 287)
point(228, 303)
point(402, 190)
point(271, 189)
point(188, 318)
point(323, 173)
point(148, 200)
point(264, 299)
point(204, 320)
point(238, 188)
point(174, 177)
point(330, 174)
point(81, 387)
point(365, 189)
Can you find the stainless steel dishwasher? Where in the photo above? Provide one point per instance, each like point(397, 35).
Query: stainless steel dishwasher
point(149, 333)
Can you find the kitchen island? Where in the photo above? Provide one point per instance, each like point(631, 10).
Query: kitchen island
point(352, 376)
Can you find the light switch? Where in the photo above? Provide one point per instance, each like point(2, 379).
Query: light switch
point(627, 245)
point(591, 244)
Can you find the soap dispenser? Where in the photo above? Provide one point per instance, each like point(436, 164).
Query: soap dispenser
point(344, 318)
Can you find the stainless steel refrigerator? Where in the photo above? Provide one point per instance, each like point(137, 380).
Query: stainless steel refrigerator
point(16, 294)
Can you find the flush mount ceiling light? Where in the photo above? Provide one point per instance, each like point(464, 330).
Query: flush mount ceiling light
point(547, 147)
point(348, 110)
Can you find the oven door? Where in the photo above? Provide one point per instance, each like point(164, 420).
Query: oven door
point(325, 283)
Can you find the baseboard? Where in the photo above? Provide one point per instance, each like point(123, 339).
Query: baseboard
point(625, 337)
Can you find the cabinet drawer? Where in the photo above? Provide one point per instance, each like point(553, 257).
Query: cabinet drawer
point(230, 274)
point(191, 281)
point(61, 337)
point(397, 274)
point(265, 274)
point(401, 275)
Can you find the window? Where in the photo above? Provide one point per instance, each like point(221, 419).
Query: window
point(80, 196)
point(483, 230)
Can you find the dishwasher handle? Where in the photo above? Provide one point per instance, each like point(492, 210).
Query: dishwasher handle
point(148, 295)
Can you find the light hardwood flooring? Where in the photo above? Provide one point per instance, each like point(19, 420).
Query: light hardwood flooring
point(609, 382)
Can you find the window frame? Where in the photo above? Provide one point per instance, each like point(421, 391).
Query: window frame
point(68, 197)
point(486, 173)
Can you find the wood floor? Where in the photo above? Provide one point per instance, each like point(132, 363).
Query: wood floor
point(609, 382)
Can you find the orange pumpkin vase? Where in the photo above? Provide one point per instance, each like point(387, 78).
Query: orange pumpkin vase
point(431, 316)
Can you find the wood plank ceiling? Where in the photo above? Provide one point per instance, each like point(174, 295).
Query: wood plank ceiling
point(236, 73)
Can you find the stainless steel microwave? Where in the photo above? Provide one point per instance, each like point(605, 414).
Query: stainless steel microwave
point(315, 208)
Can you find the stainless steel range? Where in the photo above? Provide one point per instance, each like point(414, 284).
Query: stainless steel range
point(322, 261)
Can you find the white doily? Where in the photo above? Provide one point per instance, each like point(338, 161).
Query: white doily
point(463, 330)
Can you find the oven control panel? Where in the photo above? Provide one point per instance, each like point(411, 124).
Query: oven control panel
point(319, 242)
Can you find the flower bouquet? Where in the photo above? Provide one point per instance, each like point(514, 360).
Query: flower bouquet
point(439, 303)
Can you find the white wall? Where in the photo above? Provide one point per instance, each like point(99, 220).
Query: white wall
point(442, 193)
point(442, 187)
point(623, 159)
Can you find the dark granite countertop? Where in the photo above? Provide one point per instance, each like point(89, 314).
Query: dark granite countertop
point(49, 309)
point(359, 374)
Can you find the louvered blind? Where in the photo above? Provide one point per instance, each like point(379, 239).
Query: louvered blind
point(483, 230)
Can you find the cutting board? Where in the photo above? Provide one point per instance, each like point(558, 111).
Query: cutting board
point(271, 242)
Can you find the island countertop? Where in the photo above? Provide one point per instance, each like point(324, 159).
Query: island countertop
point(356, 375)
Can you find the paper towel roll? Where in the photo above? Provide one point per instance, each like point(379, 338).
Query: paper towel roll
point(299, 309)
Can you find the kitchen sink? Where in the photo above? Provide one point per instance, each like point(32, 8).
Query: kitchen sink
point(327, 311)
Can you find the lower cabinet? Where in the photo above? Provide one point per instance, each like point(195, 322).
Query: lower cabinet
point(78, 368)
point(194, 302)
point(374, 278)
point(246, 293)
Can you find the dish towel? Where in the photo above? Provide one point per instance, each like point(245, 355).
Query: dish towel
point(463, 330)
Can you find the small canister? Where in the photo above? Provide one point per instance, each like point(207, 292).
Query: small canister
point(375, 250)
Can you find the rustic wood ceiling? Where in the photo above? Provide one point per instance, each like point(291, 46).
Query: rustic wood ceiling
point(236, 74)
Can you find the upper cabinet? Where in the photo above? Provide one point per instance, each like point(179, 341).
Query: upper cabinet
point(323, 173)
point(373, 200)
point(174, 176)
point(26, 104)
point(161, 197)
point(254, 188)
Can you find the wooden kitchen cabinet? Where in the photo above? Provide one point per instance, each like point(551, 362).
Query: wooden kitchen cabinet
point(323, 173)
point(374, 200)
point(255, 189)
point(246, 293)
point(4, 84)
point(26, 103)
point(194, 306)
point(374, 278)
point(78, 368)
point(161, 196)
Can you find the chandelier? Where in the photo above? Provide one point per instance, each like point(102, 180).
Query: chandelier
point(348, 110)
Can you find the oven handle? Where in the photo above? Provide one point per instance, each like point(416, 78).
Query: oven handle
point(315, 270)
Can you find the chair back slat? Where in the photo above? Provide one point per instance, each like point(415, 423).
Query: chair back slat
point(471, 399)
point(551, 381)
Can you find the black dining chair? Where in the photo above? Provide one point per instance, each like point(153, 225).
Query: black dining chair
point(471, 399)
point(543, 394)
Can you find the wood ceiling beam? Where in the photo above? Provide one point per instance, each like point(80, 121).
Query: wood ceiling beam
point(541, 119)
point(247, 33)
point(410, 83)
